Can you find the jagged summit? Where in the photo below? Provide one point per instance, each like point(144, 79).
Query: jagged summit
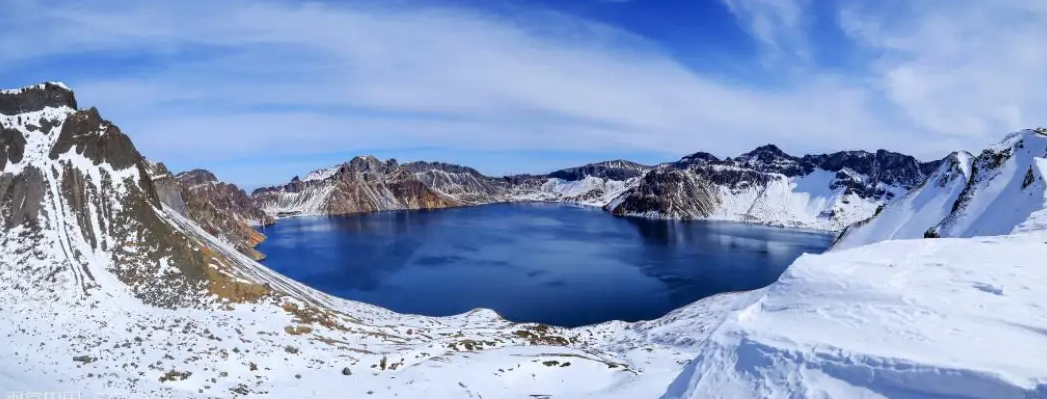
point(36, 98)
point(699, 157)
point(197, 176)
point(765, 153)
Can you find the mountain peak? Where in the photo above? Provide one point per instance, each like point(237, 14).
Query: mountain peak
point(700, 157)
point(196, 176)
point(35, 98)
point(768, 149)
point(767, 153)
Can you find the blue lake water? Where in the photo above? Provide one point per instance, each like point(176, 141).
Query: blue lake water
point(551, 263)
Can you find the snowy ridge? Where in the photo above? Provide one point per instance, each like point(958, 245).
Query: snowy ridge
point(39, 86)
point(590, 191)
point(311, 201)
point(994, 193)
point(1006, 187)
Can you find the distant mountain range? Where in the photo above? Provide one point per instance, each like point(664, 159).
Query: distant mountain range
point(765, 186)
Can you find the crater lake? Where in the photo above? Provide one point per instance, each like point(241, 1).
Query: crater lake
point(557, 264)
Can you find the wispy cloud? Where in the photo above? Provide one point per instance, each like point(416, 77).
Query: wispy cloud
point(777, 24)
point(962, 68)
point(221, 81)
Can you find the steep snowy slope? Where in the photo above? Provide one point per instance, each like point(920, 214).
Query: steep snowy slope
point(991, 194)
point(916, 212)
point(1007, 186)
point(948, 318)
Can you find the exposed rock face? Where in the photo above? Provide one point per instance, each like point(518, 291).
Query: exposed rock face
point(669, 193)
point(77, 203)
point(12, 146)
point(95, 139)
point(364, 184)
point(36, 98)
point(768, 186)
point(224, 210)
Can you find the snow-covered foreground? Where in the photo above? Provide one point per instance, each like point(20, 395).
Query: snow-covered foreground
point(946, 318)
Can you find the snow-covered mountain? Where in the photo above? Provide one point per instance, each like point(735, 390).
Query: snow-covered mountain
point(109, 290)
point(999, 191)
point(768, 186)
point(763, 186)
point(389, 185)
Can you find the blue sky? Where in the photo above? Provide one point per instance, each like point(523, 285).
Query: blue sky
point(259, 91)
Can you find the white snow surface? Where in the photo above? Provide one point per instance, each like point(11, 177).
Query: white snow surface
point(946, 318)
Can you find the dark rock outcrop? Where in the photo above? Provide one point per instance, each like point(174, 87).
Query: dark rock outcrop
point(12, 146)
point(670, 193)
point(36, 98)
point(96, 139)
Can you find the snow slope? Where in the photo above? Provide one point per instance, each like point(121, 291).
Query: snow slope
point(946, 318)
point(994, 193)
point(1007, 186)
point(921, 209)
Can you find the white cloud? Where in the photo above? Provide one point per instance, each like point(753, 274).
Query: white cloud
point(778, 24)
point(964, 69)
point(233, 79)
